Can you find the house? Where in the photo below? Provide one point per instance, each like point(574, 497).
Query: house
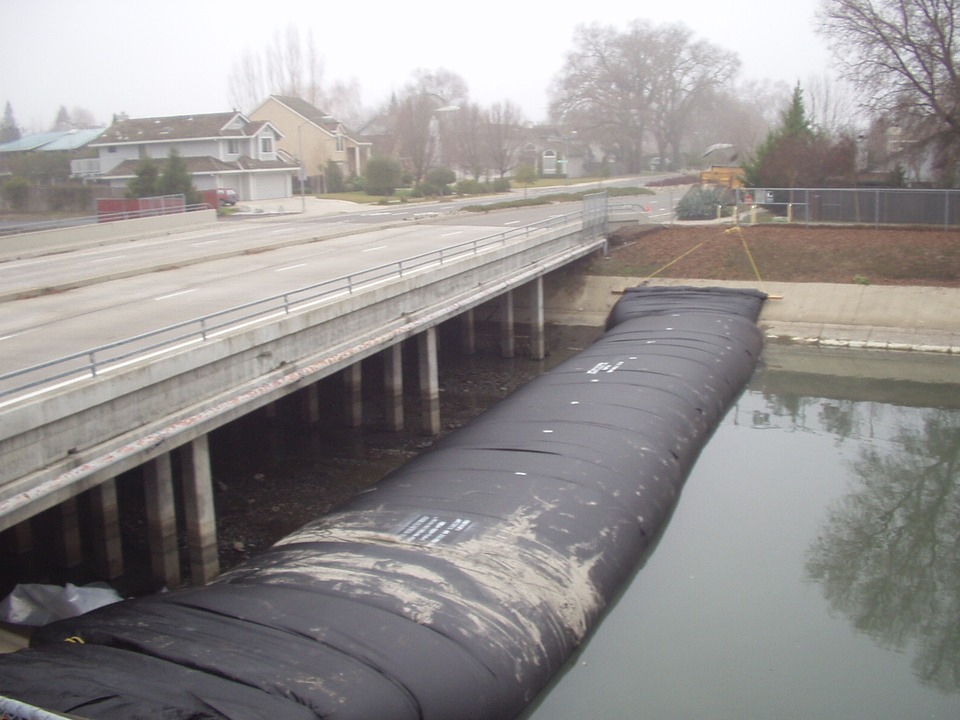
point(314, 137)
point(70, 145)
point(221, 150)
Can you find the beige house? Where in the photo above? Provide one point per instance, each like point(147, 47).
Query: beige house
point(315, 138)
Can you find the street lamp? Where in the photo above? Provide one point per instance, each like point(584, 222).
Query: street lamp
point(303, 201)
point(440, 112)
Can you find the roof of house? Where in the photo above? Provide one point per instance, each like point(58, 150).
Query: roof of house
point(180, 127)
point(204, 165)
point(73, 139)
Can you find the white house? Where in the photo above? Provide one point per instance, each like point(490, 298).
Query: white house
point(221, 150)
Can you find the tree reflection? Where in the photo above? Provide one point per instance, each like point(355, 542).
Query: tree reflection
point(888, 556)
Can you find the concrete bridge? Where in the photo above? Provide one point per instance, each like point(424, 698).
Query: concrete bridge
point(73, 426)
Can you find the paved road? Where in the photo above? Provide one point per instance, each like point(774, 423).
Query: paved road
point(273, 226)
point(116, 291)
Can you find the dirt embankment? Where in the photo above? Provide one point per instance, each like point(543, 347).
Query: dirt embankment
point(787, 253)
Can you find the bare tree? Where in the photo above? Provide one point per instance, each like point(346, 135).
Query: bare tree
point(688, 74)
point(831, 105)
point(618, 87)
point(416, 116)
point(740, 116)
point(504, 136)
point(462, 136)
point(290, 65)
point(605, 88)
point(902, 57)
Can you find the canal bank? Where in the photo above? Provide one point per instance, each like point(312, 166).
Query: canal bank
point(877, 317)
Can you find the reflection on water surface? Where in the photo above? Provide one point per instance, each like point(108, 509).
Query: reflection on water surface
point(812, 567)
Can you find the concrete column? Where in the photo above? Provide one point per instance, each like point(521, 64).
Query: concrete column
point(507, 336)
point(199, 511)
point(353, 381)
point(108, 550)
point(429, 382)
point(162, 521)
point(23, 537)
point(311, 403)
point(71, 552)
point(468, 332)
point(538, 345)
point(393, 386)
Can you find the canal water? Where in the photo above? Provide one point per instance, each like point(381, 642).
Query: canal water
point(812, 566)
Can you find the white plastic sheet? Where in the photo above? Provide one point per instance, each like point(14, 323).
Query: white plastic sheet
point(35, 605)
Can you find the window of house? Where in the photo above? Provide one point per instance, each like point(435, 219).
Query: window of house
point(340, 143)
point(266, 145)
point(233, 146)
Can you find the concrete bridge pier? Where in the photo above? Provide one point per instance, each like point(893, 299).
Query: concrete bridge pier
point(71, 552)
point(162, 521)
point(429, 382)
point(507, 329)
point(353, 387)
point(468, 332)
point(199, 511)
point(393, 386)
point(108, 550)
point(538, 349)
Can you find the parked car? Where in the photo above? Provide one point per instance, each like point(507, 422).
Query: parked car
point(227, 196)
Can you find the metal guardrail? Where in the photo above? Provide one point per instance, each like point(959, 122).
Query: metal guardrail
point(95, 361)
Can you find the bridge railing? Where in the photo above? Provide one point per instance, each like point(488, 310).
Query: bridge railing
point(112, 356)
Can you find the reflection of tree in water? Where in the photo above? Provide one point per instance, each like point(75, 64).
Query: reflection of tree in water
point(889, 555)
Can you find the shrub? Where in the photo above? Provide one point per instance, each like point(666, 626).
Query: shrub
point(472, 187)
point(383, 176)
point(700, 203)
point(69, 197)
point(501, 185)
point(16, 192)
point(440, 178)
point(335, 181)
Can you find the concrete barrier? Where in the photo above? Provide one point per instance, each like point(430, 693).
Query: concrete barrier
point(72, 238)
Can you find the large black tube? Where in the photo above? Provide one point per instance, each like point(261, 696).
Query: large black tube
point(459, 585)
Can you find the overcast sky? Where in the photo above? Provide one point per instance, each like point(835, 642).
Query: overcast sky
point(174, 57)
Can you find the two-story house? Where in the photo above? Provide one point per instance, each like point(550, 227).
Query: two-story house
point(221, 150)
point(314, 137)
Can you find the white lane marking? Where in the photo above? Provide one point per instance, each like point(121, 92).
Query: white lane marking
point(378, 247)
point(205, 242)
point(450, 234)
point(513, 222)
point(108, 259)
point(173, 295)
point(290, 267)
point(16, 334)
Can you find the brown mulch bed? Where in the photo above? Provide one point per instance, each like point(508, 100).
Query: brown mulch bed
point(788, 253)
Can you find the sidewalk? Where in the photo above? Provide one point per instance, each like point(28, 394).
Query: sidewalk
point(307, 205)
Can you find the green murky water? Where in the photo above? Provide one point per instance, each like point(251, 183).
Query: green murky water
point(812, 567)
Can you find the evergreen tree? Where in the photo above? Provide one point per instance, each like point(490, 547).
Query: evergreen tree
point(63, 121)
point(8, 126)
point(796, 155)
point(175, 179)
point(145, 182)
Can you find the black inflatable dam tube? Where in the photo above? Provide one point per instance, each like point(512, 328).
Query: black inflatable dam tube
point(459, 585)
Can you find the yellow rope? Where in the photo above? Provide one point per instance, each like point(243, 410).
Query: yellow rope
point(746, 249)
point(677, 259)
point(735, 229)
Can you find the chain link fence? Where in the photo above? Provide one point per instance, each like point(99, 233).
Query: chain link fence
point(871, 206)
